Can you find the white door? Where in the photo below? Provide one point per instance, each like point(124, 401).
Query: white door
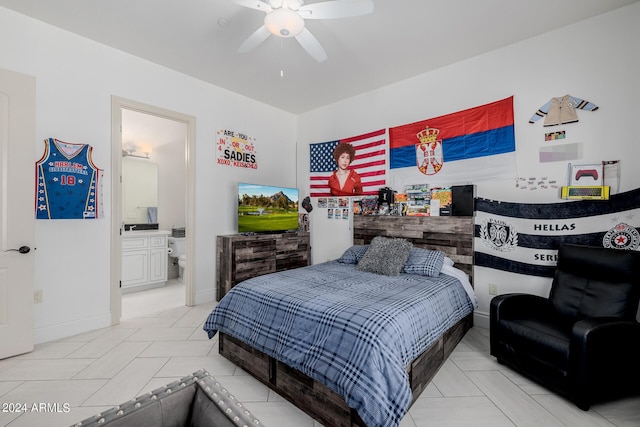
point(17, 217)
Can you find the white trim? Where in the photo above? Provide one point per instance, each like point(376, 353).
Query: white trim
point(205, 296)
point(67, 329)
point(481, 319)
point(117, 104)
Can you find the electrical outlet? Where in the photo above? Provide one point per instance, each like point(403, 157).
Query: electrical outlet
point(37, 296)
point(493, 289)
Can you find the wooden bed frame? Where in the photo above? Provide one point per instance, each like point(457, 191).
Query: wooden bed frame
point(452, 235)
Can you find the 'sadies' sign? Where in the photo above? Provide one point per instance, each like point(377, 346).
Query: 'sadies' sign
point(236, 149)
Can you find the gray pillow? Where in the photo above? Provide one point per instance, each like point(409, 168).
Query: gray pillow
point(385, 256)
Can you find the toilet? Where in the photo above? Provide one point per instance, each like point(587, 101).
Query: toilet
point(178, 251)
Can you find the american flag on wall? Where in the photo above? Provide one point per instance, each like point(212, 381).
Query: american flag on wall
point(370, 162)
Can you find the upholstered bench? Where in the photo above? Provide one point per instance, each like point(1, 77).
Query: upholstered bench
point(193, 401)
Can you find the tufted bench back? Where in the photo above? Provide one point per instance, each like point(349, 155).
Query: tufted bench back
point(197, 400)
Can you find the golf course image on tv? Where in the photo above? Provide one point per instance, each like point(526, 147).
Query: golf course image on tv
point(266, 208)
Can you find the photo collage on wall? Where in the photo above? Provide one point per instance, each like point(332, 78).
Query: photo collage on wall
point(337, 207)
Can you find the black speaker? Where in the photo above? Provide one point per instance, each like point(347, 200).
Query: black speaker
point(385, 195)
point(463, 200)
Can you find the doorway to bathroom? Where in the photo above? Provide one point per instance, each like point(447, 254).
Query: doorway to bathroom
point(148, 145)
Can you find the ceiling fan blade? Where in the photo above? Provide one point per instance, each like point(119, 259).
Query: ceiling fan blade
point(260, 35)
point(336, 9)
point(254, 4)
point(311, 45)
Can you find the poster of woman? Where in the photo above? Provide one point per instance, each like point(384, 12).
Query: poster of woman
point(344, 181)
point(367, 160)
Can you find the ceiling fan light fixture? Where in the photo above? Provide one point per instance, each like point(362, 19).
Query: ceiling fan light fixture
point(284, 23)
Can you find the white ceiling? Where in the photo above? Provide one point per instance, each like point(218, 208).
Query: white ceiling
point(401, 39)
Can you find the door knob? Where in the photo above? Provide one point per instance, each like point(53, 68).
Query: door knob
point(21, 249)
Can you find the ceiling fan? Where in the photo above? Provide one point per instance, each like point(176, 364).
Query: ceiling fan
point(285, 19)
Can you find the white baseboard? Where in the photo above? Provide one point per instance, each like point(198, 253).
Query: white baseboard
point(481, 319)
point(68, 329)
point(206, 296)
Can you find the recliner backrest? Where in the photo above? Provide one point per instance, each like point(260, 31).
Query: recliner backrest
point(595, 282)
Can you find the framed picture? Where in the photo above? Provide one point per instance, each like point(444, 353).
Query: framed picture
point(585, 174)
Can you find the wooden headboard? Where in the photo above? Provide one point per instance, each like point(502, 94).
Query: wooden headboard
point(451, 235)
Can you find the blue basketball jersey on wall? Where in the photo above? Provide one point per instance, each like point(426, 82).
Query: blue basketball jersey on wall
point(67, 182)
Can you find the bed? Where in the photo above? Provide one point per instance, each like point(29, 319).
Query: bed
point(348, 345)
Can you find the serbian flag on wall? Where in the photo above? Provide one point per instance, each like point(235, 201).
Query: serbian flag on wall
point(467, 146)
point(370, 162)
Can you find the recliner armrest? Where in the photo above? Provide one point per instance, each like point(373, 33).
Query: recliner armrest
point(512, 305)
point(509, 306)
point(608, 333)
point(607, 348)
point(602, 326)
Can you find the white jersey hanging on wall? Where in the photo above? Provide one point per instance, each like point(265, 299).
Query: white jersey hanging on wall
point(67, 182)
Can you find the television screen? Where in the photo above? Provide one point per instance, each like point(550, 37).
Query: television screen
point(266, 208)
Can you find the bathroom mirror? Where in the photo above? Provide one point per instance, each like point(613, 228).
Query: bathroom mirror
point(139, 191)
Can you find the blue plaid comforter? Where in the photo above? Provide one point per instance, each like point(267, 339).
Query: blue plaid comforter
point(354, 331)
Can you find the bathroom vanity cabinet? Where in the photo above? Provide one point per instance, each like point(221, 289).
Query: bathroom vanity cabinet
point(144, 260)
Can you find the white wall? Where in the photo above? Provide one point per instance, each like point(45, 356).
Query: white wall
point(75, 80)
point(597, 60)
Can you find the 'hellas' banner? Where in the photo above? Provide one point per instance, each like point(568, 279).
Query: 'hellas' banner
point(467, 146)
point(524, 238)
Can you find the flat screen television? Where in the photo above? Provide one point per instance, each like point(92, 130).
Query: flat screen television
point(267, 208)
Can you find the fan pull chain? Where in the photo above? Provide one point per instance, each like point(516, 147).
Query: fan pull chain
point(282, 58)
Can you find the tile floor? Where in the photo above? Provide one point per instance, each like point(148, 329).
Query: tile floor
point(160, 340)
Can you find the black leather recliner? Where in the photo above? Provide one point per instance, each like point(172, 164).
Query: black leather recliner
point(583, 341)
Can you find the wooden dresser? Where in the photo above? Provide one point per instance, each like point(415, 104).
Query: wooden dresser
point(240, 257)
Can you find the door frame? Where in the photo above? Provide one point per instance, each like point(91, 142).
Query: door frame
point(117, 104)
